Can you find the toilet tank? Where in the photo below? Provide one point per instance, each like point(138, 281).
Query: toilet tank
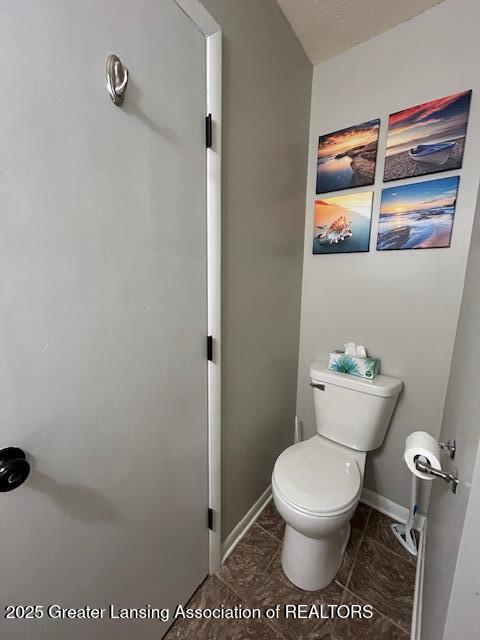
point(352, 411)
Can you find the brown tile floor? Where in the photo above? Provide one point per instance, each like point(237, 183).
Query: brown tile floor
point(376, 570)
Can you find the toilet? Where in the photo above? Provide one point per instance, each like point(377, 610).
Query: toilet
point(317, 483)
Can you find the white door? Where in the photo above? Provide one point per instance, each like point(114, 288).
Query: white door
point(103, 373)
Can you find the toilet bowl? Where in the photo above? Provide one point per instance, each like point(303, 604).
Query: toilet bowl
point(316, 487)
point(317, 483)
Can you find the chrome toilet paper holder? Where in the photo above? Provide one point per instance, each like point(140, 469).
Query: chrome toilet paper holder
point(450, 446)
point(450, 478)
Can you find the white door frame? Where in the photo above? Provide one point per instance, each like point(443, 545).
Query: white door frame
point(213, 35)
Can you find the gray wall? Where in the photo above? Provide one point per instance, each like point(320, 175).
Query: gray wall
point(462, 618)
point(403, 305)
point(446, 511)
point(266, 100)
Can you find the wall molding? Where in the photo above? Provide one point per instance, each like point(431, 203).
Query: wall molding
point(212, 31)
point(390, 508)
point(245, 523)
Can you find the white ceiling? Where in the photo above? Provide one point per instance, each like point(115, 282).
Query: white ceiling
point(328, 27)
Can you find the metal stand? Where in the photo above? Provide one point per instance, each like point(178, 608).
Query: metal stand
point(450, 478)
point(405, 533)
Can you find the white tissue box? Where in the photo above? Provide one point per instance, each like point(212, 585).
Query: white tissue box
point(354, 365)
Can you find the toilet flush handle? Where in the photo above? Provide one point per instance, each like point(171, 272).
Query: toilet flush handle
point(317, 386)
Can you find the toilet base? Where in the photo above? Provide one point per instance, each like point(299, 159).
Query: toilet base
point(311, 563)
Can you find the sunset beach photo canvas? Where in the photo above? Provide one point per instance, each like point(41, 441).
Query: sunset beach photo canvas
point(342, 223)
point(347, 158)
point(428, 138)
point(418, 215)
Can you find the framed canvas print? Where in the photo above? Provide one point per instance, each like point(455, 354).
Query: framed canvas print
point(418, 215)
point(342, 223)
point(347, 158)
point(428, 138)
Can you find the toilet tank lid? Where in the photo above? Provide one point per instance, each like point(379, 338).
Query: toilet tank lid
point(384, 386)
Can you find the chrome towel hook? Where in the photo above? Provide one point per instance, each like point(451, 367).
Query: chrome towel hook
point(117, 79)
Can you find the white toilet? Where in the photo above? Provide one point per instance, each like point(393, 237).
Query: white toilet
point(317, 483)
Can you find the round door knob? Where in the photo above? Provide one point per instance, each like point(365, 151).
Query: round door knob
point(14, 468)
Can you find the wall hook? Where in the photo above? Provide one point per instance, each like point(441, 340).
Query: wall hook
point(117, 79)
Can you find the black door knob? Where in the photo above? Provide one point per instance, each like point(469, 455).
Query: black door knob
point(14, 468)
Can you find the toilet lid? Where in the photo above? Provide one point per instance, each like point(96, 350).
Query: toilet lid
point(317, 476)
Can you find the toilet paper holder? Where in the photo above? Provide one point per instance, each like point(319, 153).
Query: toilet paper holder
point(450, 446)
point(450, 478)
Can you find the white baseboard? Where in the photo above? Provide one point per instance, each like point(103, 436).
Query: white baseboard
point(372, 499)
point(399, 513)
point(390, 508)
point(245, 523)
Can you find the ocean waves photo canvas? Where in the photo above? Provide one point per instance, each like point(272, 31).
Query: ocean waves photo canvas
point(347, 158)
point(418, 215)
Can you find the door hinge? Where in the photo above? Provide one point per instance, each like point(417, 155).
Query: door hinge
point(210, 519)
point(210, 348)
point(208, 131)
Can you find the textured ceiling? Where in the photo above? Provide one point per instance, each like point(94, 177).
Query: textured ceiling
point(328, 27)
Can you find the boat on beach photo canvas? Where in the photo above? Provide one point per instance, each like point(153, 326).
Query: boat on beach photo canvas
point(347, 158)
point(418, 215)
point(342, 223)
point(428, 138)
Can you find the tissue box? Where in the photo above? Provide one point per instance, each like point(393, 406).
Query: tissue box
point(355, 366)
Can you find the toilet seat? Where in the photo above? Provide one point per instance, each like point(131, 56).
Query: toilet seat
point(318, 477)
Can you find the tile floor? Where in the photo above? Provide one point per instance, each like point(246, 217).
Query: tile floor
point(376, 570)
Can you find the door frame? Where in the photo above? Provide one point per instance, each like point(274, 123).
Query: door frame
point(197, 13)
